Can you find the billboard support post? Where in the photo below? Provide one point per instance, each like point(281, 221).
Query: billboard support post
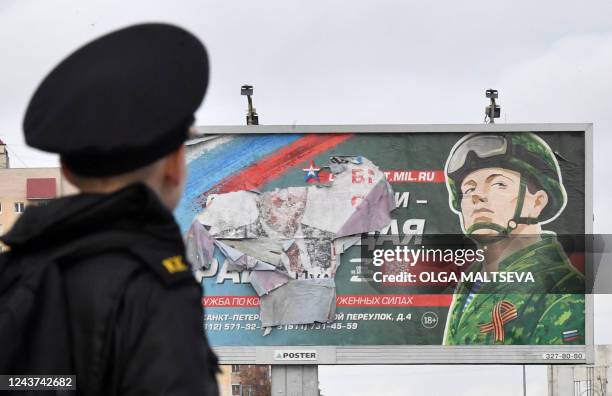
point(295, 380)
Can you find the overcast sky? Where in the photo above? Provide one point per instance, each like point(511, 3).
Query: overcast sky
point(354, 62)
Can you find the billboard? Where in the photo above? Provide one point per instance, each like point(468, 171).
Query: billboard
point(391, 244)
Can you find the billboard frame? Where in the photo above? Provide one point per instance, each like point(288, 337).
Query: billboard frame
point(425, 354)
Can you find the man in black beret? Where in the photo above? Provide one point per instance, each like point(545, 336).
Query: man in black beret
point(97, 283)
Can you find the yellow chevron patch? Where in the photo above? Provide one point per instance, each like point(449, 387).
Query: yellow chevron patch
point(174, 264)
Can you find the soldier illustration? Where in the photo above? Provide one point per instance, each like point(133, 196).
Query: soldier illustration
point(504, 187)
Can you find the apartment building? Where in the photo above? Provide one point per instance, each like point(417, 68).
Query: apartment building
point(21, 187)
point(244, 380)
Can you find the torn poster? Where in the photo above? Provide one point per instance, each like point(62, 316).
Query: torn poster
point(291, 239)
point(199, 246)
point(300, 301)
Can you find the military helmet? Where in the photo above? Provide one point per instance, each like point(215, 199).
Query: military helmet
point(522, 152)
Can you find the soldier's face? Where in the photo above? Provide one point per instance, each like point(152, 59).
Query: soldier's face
point(489, 196)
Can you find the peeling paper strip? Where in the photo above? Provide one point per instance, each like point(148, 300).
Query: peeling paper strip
point(264, 277)
point(238, 261)
point(199, 247)
point(267, 250)
point(300, 301)
point(230, 212)
point(372, 213)
point(265, 281)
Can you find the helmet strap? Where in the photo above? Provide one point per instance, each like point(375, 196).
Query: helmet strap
point(517, 219)
point(487, 226)
point(512, 223)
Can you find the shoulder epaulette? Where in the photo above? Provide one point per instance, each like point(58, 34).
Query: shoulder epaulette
point(171, 267)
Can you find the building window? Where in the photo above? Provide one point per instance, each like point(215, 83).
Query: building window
point(247, 390)
point(236, 390)
point(19, 207)
point(235, 368)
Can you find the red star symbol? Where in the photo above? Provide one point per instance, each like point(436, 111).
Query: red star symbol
point(312, 172)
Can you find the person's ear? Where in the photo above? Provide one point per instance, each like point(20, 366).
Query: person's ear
point(67, 173)
point(174, 166)
point(540, 200)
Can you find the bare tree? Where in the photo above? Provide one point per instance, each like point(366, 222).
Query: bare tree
point(255, 380)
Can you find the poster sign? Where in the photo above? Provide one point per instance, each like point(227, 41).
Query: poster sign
point(391, 238)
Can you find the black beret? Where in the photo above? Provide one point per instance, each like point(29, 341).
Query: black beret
point(120, 102)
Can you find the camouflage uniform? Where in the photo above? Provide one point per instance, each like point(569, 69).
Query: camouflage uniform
point(546, 308)
point(547, 311)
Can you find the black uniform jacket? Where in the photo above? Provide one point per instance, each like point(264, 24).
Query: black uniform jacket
point(134, 321)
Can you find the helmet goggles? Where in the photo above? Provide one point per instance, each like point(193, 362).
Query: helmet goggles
point(483, 146)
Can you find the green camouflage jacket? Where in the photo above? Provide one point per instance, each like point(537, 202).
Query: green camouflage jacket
point(545, 312)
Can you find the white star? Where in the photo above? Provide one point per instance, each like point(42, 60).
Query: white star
point(312, 171)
